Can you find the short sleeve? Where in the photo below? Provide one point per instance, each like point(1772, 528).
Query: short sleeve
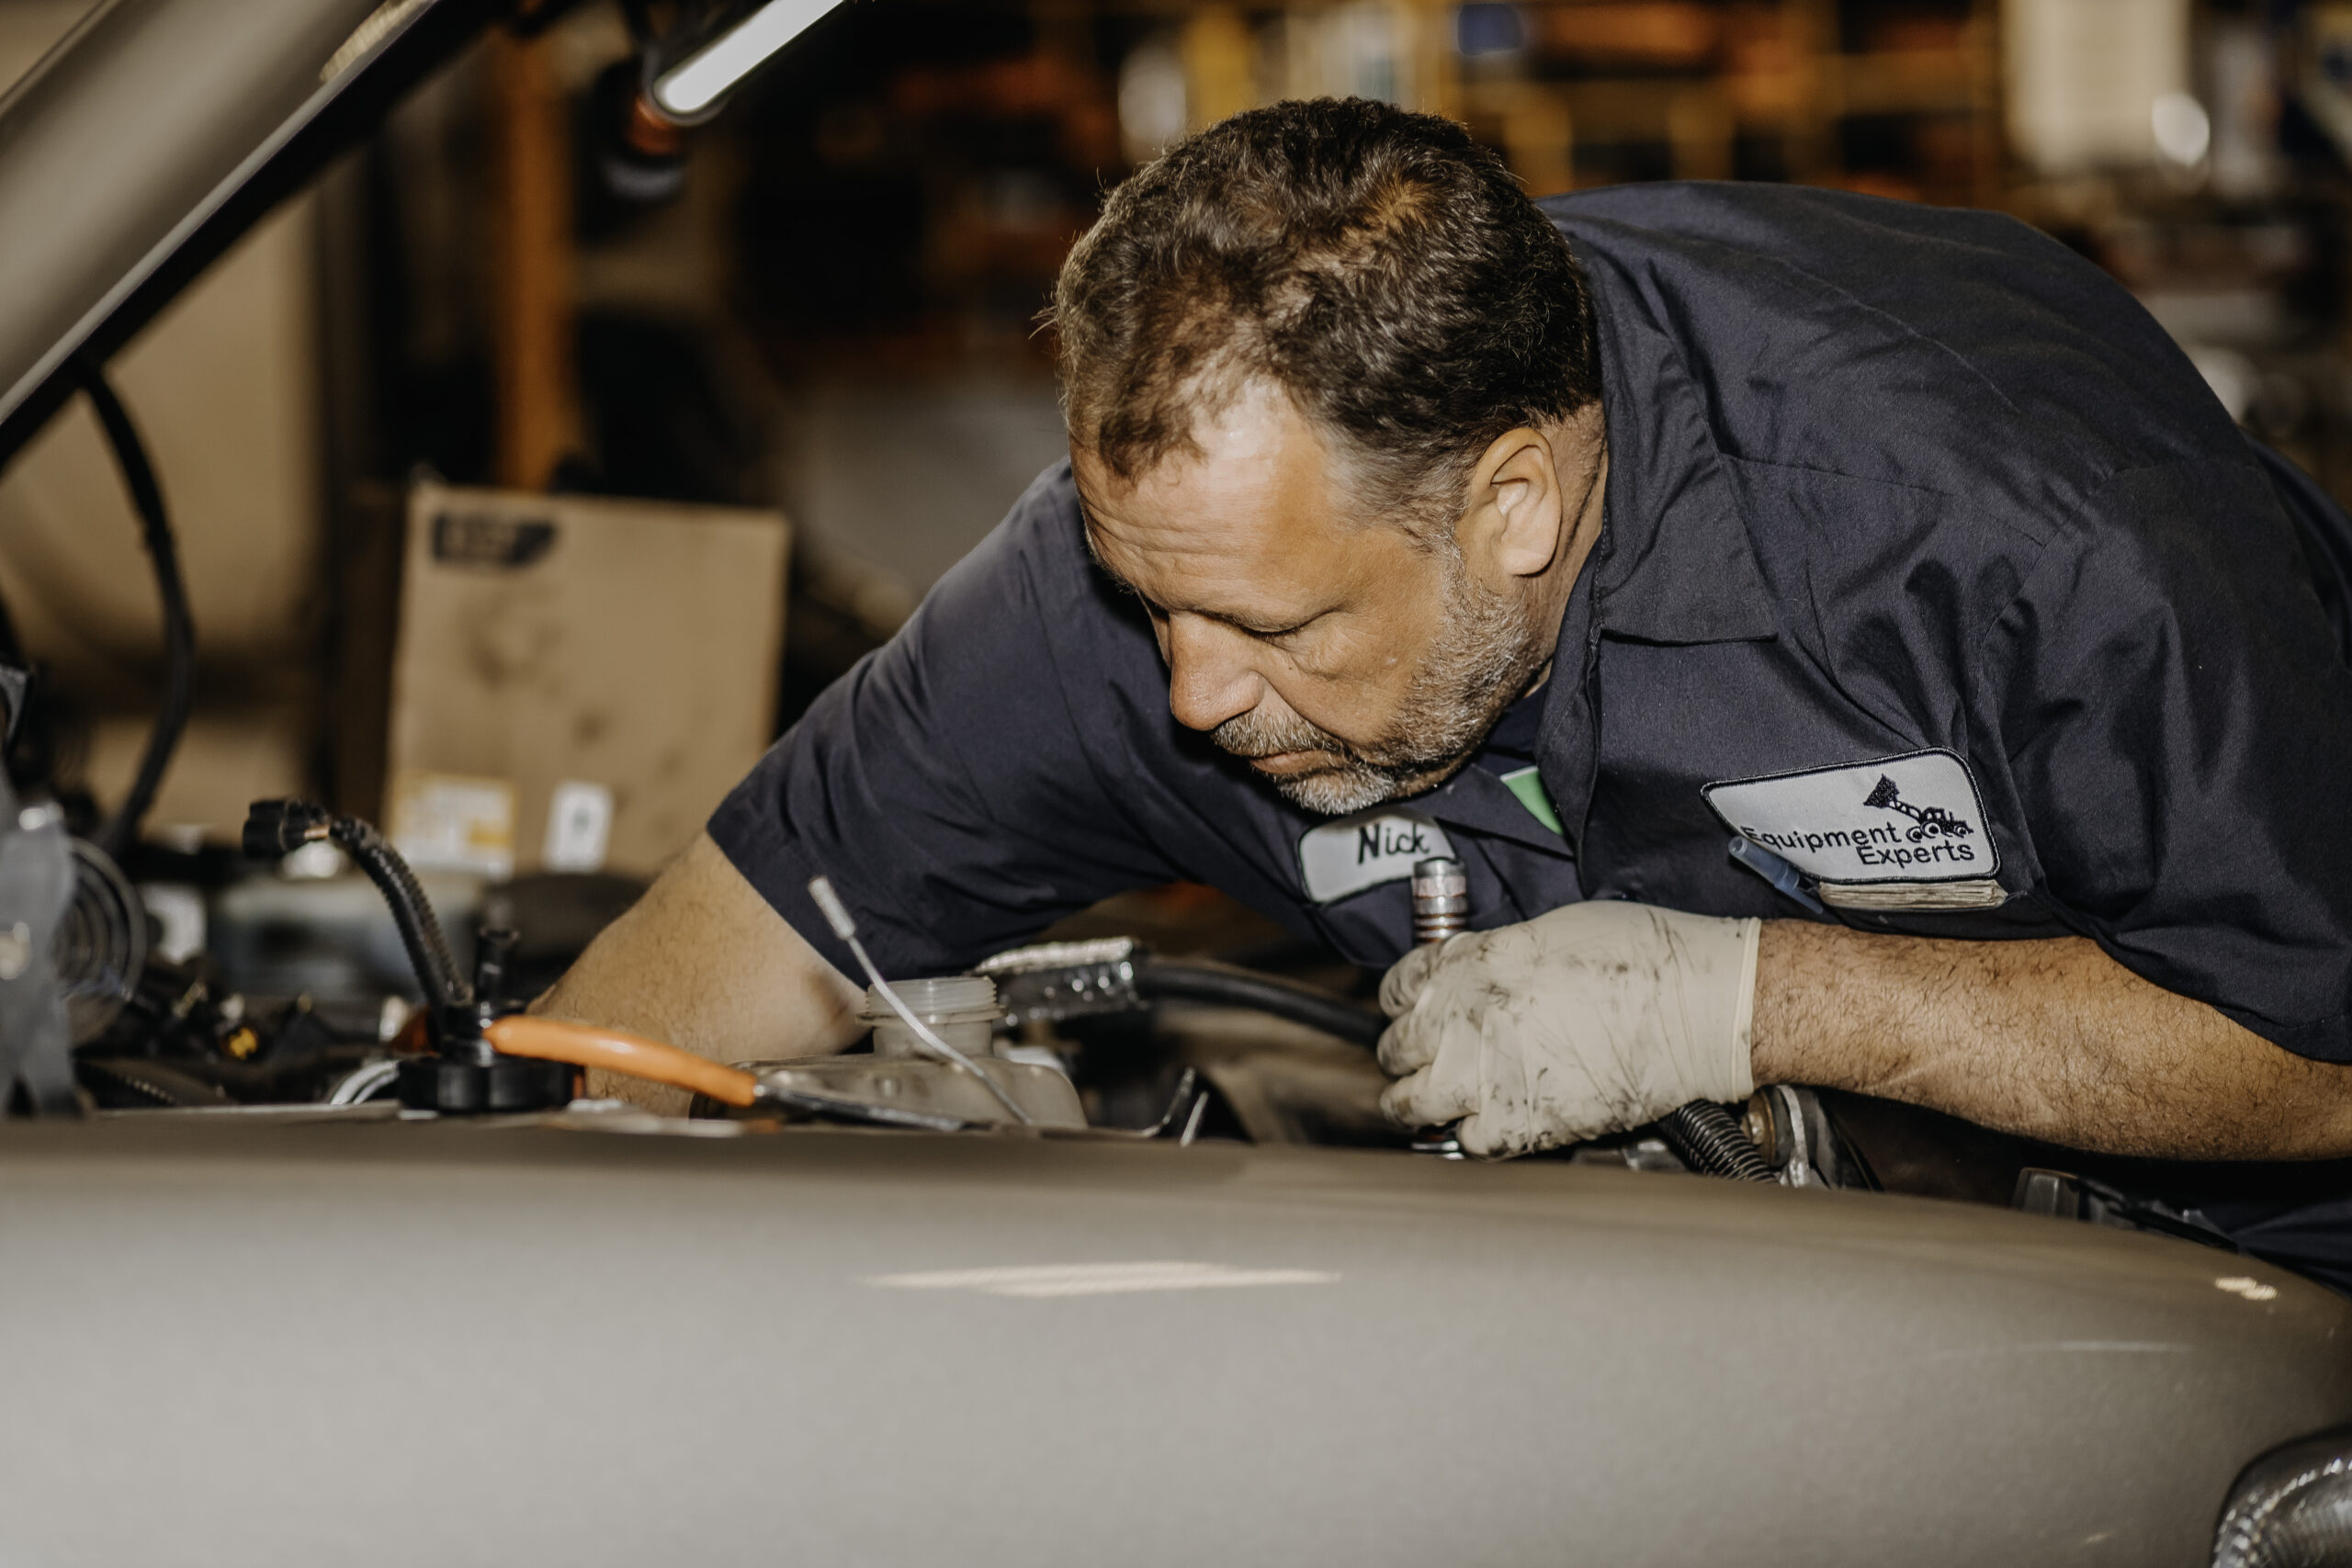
point(947, 785)
point(2177, 724)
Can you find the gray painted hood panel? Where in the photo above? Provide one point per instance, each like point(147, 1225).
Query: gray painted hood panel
point(115, 147)
point(397, 1343)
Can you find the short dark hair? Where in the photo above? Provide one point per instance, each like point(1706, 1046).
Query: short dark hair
point(1383, 268)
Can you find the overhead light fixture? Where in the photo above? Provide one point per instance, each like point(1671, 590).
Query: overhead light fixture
point(692, 88)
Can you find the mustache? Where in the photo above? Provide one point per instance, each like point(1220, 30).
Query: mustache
point(1254, 734)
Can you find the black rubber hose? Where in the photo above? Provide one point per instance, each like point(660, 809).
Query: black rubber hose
point(121, 830)
point(1175, 981)
point(1712, 1142)
point(428, 951)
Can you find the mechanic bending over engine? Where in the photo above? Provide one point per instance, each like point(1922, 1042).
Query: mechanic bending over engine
point(1406, 516)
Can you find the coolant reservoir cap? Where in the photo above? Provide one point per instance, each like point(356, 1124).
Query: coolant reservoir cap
point(949, 998)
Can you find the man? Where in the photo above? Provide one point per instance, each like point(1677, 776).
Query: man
point(1845, 642)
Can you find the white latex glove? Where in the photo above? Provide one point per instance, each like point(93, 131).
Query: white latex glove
point(1589, 1020)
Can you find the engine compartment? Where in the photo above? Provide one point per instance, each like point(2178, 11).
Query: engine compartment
point(1102, 1037)
point(1096, 1036)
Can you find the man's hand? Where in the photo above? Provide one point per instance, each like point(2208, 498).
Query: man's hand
point(1589, 1018)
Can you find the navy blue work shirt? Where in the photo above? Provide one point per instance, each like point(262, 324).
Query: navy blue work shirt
point(1929, 564)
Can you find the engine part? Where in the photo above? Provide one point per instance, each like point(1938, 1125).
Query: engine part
point(467, 1074)
point(920, 1086)
point(364, 1083)
point(485, 1060)
point(1792, 1130)
point(831, 1095)
point(121, 830)
point(554, 1043)
point(277, 827)
point(334, 936)
point(131, 1084)
point(493, 957)
point(93, 949)
point(15, 678)
point(857, 1112)
point(1711, 1141)
point(36, 887)
point(959, 1009)
point(1053, 982)
point(500, 1086)
point(1056, 981)
point(1440, 899)
point(1218, 984)
point(837, 916)
point(2291, 1508)
point(2064, 1195)
point(101, 946)
point(556, 914)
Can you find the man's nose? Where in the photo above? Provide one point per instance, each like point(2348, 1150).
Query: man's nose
point(1211, 677)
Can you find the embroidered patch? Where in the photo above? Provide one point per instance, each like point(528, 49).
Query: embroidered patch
point(1912, 819)
point(1341, 858)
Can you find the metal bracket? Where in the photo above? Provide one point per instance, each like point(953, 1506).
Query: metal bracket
point(1056, 980)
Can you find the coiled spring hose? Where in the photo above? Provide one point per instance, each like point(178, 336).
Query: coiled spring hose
point(1712, 1142)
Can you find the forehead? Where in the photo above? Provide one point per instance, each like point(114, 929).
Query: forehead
point(1257, 491)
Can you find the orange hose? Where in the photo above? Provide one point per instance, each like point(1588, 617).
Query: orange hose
point(585, 1045)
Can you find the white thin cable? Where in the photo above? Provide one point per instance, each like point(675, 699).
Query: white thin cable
point(837, 916)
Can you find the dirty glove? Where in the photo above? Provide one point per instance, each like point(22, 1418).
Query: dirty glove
point(1589, 1020)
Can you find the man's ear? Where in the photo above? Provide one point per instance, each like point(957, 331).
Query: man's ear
point(1516, 512)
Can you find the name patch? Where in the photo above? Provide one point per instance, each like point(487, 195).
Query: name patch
point(1912, 819)
point(1341, 858)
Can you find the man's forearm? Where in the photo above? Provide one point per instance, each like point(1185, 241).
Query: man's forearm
point(2054, 1039)
point(704, 963)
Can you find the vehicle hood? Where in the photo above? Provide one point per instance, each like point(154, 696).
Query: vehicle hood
point(421, 1340)
point(154, 134)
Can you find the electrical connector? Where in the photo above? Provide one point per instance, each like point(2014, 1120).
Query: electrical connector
point(275, 829)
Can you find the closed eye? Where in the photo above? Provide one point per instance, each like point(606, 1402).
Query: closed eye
point(1265, 633)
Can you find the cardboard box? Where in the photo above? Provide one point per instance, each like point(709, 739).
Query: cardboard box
point(573, 682)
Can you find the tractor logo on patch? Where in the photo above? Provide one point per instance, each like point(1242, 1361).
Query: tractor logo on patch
point(1852, 824)
point(1930, 821)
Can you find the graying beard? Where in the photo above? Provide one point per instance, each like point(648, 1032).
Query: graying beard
point(1479, 666)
